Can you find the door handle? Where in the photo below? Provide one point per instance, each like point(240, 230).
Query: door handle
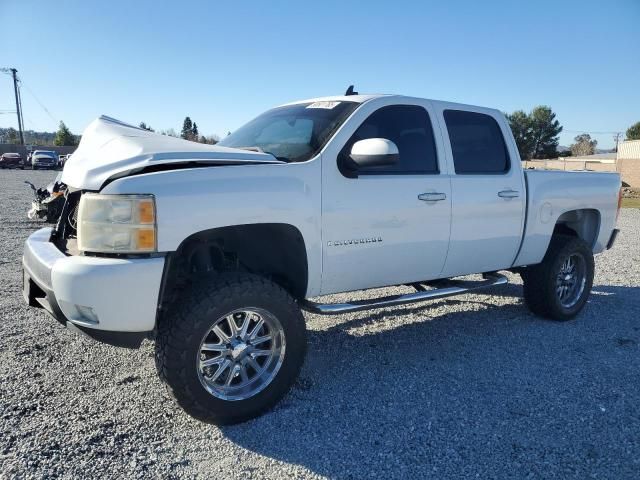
point(509, 194)
point(432, 197)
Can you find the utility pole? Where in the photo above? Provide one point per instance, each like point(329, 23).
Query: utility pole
point(616, 138)
point(15, 90)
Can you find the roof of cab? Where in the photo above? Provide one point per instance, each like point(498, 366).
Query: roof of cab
point(338, 98)
point(365, 98)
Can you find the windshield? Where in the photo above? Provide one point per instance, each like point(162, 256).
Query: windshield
point(293, 133)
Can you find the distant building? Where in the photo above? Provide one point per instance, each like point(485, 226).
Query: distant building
point(628, 162)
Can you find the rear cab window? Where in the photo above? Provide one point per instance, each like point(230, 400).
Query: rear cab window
point(477, 144)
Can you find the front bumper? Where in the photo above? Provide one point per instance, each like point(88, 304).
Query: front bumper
point(113, 300)
point(44, 165)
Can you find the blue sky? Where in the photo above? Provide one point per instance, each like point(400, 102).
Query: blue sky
point(222, 63)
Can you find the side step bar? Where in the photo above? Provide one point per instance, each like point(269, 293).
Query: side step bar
point(457, 288)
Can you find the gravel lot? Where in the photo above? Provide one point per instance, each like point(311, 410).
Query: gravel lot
point(468, 387)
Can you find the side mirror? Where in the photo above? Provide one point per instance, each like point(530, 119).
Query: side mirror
point(374, 152)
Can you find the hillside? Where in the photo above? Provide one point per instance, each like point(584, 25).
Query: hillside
point(30, 137)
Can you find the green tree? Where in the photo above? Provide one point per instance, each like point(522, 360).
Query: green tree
point(194, 132)
point(12, 135)
point(536, 133)
point(64, 136)
point(520, 124)
point(187, 127)
point(633, 133)
point(584, 145)
point(144, 126)
point(544, 132)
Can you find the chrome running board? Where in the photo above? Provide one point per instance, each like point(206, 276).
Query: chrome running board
point(458, 287)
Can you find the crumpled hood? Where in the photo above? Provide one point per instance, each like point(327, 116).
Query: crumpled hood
point(111, 149)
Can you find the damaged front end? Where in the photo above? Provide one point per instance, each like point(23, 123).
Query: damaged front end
point(48, 202)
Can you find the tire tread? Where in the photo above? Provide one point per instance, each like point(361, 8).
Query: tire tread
point(539, 280)
point(187, 315)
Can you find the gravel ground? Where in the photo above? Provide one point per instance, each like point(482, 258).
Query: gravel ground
point(468, 387)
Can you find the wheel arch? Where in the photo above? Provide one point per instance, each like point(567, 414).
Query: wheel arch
point(274, 250)
point(581, 223)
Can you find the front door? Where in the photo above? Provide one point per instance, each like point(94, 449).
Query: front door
point(385, 225)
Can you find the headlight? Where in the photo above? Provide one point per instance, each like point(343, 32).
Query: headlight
point(117, 223)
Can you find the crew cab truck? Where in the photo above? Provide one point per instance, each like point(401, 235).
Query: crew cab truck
point(213, 251)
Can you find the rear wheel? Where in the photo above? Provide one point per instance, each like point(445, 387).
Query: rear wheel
point(559, 287)
point(231, 347)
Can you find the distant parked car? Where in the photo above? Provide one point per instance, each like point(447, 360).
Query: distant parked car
point(44, 159)
point(11, 160)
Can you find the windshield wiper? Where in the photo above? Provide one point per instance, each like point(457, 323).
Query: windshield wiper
point(251, 149)
point(260, 150)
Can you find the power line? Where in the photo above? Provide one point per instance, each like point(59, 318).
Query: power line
point(17, 84)
point(39, 102)
point(590, 131)
point(32, 124)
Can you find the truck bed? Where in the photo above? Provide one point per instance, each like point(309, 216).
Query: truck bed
point(567, 197)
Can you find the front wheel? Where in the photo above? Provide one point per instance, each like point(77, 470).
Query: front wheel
point(558, 288)
point(231, 348)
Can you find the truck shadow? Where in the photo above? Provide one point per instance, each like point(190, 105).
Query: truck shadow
point(488, 387)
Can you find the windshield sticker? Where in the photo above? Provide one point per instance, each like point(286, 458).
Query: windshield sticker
point(328, 105)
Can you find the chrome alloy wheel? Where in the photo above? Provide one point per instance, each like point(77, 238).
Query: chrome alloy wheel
point(241, 354)
point(571, 280)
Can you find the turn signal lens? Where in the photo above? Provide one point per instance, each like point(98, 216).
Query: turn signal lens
point(146, 238)
point(146, 211)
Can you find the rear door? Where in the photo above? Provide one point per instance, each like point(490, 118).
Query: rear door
point(488, 191)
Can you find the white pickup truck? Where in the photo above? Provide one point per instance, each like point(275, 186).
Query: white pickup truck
point(214, 250)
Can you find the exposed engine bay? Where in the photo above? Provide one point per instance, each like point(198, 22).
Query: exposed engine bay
point(48, 201)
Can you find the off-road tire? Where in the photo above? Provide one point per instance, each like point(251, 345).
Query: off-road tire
point(188, 318)
point(540, 280)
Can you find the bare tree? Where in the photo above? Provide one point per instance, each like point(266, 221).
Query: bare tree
point(584, 145)
point(170, 132)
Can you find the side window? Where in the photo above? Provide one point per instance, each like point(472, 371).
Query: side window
point(409, 127)
point(477, 143)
